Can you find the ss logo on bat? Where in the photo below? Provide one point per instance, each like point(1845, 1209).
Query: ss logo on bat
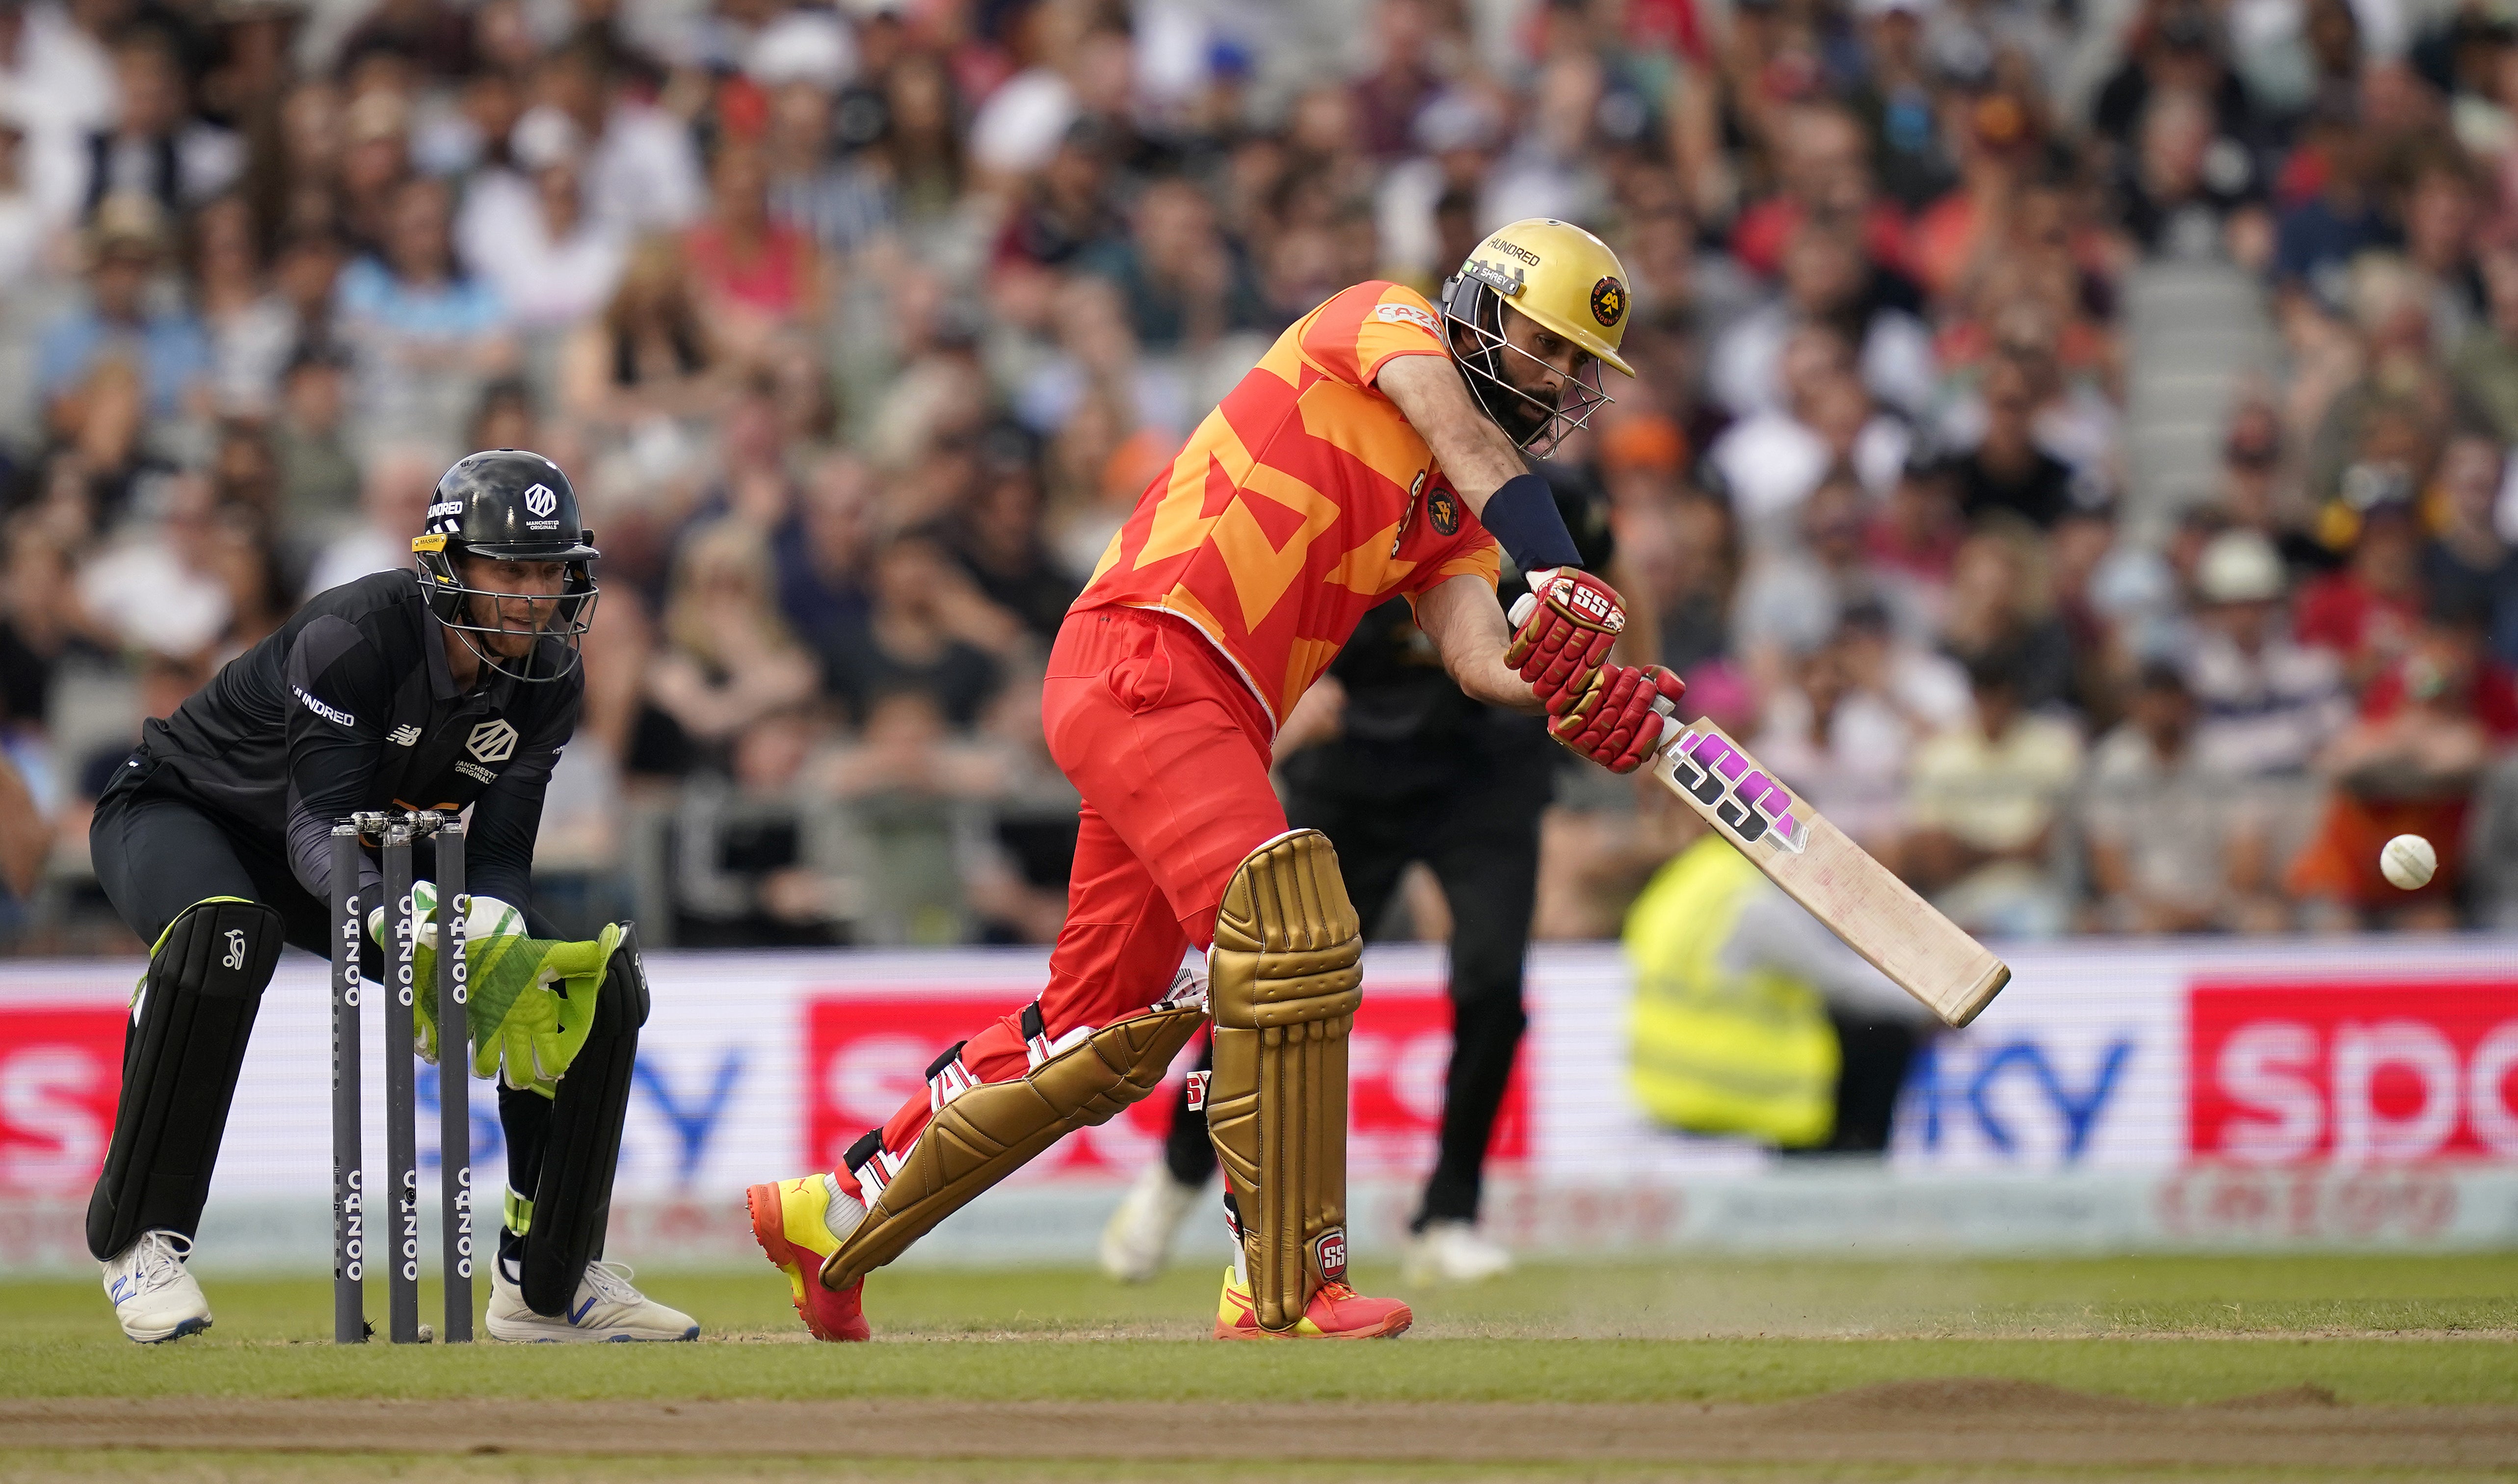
point(1748, 803)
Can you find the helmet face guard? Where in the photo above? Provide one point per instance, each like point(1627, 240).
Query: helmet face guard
point(560, 621)
point(506, 504)
point(1473, 306)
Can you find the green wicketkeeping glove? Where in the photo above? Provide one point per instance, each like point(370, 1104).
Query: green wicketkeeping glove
point(533, 1007)
point(492, 931)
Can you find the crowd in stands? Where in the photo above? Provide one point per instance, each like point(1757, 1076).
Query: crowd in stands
point(861, 326)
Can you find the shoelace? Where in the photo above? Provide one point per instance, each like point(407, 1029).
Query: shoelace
point(611, 1281)
point(158, 1260)
point(1335, 1292)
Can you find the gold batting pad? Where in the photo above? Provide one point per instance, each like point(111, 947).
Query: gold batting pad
point(990, 1131)
point(1285, 981)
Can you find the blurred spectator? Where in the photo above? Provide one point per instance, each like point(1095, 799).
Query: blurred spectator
point(319, 477)
point(117, 321)
point(753, 273)
point(2176, 846)
point(727, 658)
point(1999, 606)
point(1825, 281)
point(423, 336)
point(1841, 745)
point(2269, 704)
point(393, 499)
point(2411, 768)
point(930, 632)
point(759, 859)
point(651, 353)
point(1985, 805)
point(1771, 461)
point(527, 233)
point(2366, 612)
point(2485, 365)
point(159, 147)
point(2467, 566)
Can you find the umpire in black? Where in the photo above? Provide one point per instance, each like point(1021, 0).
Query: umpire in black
point(1410, 770)
point(449, 684)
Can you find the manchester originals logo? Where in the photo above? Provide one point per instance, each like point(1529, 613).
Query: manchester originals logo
point(1608, 302)
point(491, 741)
point(1442, 509)
point(542, 502)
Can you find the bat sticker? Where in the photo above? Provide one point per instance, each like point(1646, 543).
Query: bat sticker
point(1722, 778)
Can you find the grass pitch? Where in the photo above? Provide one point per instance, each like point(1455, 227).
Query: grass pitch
point(2138, 1352)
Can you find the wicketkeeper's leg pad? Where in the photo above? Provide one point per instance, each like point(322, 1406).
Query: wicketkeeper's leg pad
point(1285, 979)
point(991, 1130)
point(180, 1055)
point(572, 1201)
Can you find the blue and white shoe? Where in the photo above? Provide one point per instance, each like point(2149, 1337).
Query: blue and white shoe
point(606, 1308)
point(154, 1298)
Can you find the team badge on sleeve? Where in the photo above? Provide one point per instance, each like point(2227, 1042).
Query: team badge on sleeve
point(1608, 302)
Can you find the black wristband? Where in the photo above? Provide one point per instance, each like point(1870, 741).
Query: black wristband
point(1522, 516)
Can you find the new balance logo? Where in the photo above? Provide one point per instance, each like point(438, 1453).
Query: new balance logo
point(577, 1316)
point(404, 736)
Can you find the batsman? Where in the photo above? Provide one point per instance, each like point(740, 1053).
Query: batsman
point(1378, 449)
point(448, 684)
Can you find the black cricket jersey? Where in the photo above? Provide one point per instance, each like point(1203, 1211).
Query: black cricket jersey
point(1406, 724)
point(350, 706)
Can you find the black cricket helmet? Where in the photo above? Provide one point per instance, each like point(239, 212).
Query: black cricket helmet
point(509, 504)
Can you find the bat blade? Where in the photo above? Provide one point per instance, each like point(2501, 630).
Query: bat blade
point(1859, 900)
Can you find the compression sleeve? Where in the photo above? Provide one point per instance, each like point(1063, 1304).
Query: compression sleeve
point(339, 698)
point(498, 850)
point(1522, 518)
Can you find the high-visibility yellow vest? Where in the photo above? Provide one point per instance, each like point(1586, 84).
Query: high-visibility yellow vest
point(1717, 1052)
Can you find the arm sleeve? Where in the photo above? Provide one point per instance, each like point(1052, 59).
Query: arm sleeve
point(1774, 933)
point(498, 851)
point(1353, 336)
point(339, 699)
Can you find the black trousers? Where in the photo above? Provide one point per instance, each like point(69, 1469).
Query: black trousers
point(1477, 830)
point(157, 853)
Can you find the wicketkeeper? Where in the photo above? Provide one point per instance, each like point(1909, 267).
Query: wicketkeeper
point(1377, 449)
point(448, 684)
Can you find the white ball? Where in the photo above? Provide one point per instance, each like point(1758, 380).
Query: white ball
point(427, 1333)
point(2407, 861)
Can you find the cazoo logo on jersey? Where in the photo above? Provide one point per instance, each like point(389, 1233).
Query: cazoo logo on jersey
point(493, 741)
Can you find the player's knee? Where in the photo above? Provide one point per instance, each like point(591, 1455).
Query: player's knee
point(222, 946)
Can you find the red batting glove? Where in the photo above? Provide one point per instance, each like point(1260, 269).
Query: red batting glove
point(1563, 631)
point(1618, 723)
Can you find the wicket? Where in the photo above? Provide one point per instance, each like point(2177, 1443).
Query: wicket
point(350, 1188)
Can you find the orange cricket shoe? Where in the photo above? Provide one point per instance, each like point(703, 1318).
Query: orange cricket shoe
point(1335, 1312)
point(787, 1222)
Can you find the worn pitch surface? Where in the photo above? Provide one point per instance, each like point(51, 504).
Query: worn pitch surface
point(2223, 1369)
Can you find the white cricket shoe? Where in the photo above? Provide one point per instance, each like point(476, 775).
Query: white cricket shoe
point(606, 1309)
point(154, 1298)
point(1453, 1251)
point(1137, 1240)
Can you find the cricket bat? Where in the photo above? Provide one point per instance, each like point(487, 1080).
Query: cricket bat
point(1879, 916)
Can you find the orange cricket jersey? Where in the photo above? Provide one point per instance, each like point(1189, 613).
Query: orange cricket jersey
point(1303, 502)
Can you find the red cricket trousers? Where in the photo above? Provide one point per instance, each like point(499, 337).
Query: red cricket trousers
point(1170, 751)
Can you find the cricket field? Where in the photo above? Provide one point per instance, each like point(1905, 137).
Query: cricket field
point(2334, 1368)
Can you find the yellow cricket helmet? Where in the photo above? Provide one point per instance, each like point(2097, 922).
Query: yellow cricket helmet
point(1564, 280)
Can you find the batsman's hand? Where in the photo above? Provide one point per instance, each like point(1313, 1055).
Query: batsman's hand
point(533, 1011)
point(1562, 630)
point(488, 927)
point(1618, 723)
